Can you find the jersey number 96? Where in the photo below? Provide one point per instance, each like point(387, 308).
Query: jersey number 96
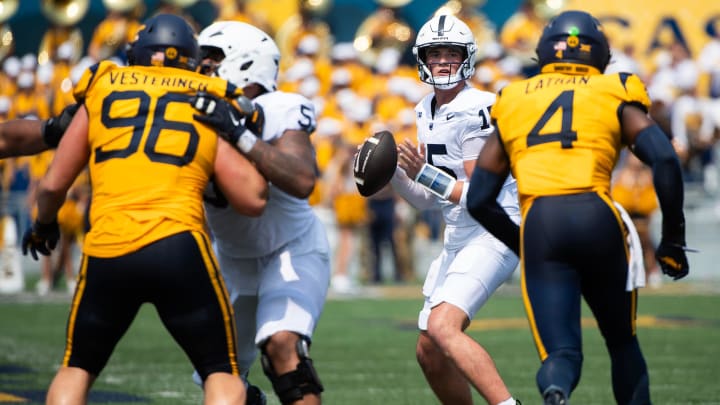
point(157, 122)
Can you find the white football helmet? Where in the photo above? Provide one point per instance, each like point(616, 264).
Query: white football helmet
point(251, 55)
point(445, 30)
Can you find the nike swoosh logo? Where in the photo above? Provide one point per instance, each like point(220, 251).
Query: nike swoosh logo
point(234, 120)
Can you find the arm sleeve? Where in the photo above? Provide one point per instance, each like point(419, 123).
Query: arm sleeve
point(483, 206)
point(654, 149)
point(414, 193)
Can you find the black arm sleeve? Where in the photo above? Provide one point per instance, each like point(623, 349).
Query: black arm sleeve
point(654, 149)
point(483, 206)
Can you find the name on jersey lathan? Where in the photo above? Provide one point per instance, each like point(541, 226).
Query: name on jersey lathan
point(547, 82)
point(133, 78)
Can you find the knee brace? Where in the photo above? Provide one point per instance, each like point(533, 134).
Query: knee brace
point(292, 386)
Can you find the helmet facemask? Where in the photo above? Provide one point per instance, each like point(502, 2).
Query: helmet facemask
point(210, 59)
point(463, 70)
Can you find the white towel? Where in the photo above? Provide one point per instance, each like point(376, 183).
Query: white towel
point(636, 267)
point(12, 280)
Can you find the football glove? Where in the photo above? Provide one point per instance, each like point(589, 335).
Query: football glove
point(41, 238)
point(54, 127)
point(239, 123)
point(672, 259)
point(255, 121)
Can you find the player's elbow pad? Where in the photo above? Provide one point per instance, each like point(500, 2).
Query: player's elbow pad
point(483, 206)
point(654, 148)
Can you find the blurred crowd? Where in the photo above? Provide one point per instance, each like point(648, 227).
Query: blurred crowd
point(360, 88)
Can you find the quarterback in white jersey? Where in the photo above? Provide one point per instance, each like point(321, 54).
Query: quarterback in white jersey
point(453, 123)
point(276, 266)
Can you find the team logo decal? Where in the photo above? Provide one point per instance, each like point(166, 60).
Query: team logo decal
point(171, 52)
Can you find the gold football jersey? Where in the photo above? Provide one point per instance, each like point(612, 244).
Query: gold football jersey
point(562, 132)
point(149, 160)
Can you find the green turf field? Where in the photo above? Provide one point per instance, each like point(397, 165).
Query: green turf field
point(365, 354)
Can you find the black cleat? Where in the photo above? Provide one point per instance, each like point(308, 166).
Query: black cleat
point(555, 397)
point(255, 396)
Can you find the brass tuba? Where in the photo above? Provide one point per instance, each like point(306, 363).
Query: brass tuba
point(7, 41)
point(180, 3)
point(316, 7)
point(116, 29)
point(382, 29)
point(548, 9)
point(122, 6)
point(63, 15)
point(304, 23)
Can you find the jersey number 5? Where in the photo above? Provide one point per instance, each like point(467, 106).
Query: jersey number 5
point(566, 136)
point(434, 149)
point(157, 123)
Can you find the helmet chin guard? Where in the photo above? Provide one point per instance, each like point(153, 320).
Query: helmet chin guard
point(445, 82)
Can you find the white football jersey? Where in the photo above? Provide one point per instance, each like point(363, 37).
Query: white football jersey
point(285, 217)
point(466, 117)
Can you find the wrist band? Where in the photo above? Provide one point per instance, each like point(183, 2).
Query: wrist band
point(436, 181)
point(246, 141)
point(463, 195)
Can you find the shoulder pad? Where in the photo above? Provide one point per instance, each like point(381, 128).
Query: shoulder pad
point(88, 78)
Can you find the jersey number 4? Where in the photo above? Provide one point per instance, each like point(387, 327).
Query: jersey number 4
point(566, 136)
point(157, 122)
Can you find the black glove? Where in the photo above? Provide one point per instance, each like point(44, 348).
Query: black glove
point(55, 127)
point(670, 254)
point(217, 113)
point(230, 120)
point(672, 259)
point(41, 238)
point(255, 122)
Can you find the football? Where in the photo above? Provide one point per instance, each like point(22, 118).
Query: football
point(375, 163)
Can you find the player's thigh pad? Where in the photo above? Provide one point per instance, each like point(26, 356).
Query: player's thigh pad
point(293, 287)
point(466, 278)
